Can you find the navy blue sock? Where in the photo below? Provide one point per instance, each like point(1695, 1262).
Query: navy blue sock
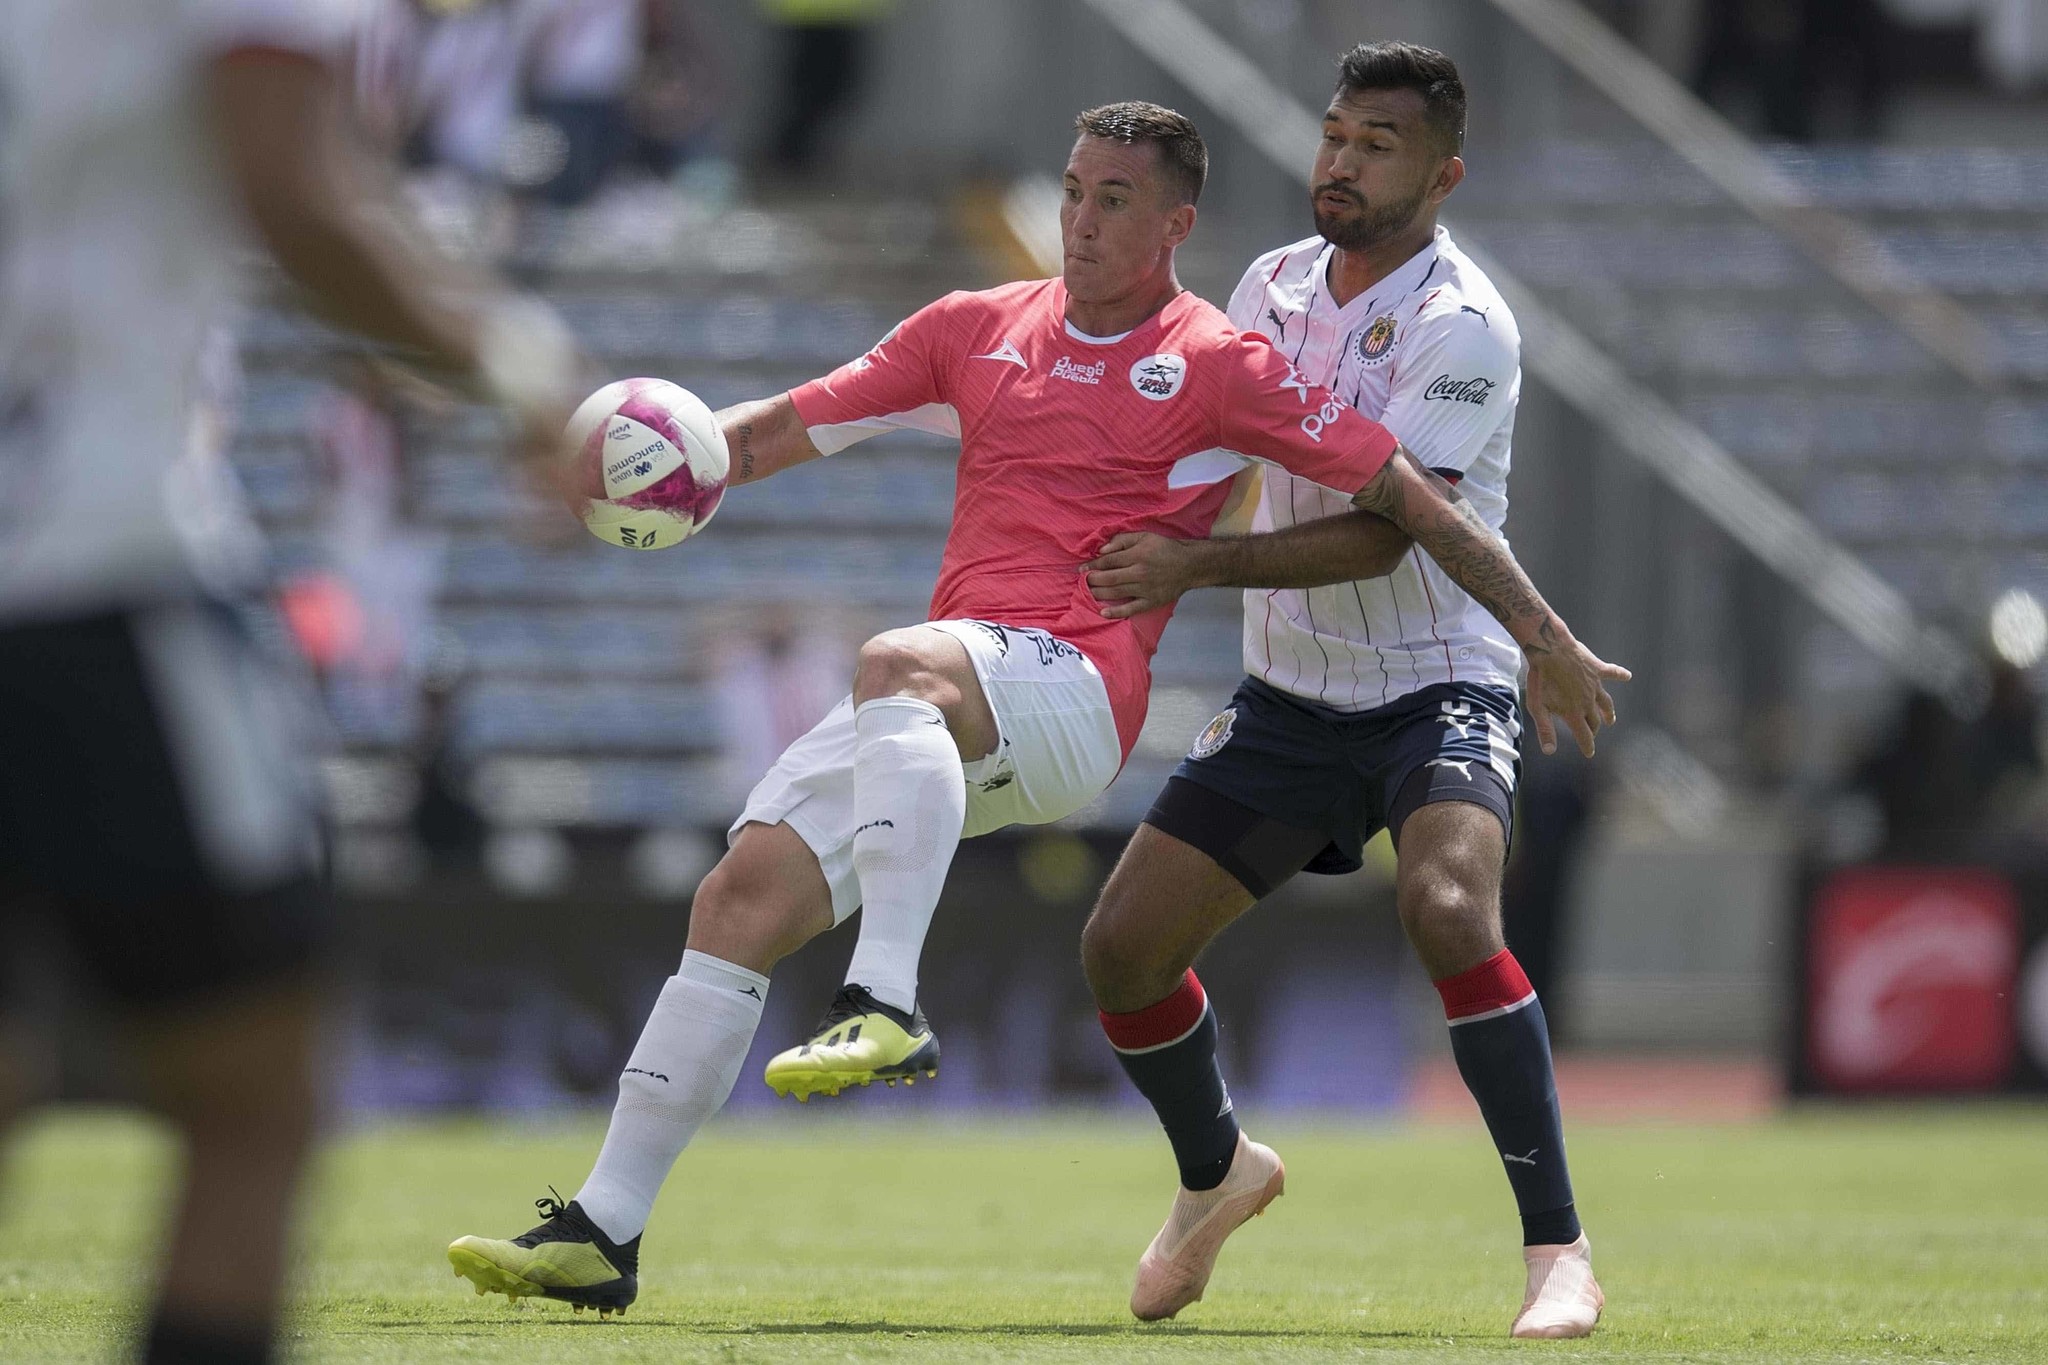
point(1169, 1052)
point(1502, 1044)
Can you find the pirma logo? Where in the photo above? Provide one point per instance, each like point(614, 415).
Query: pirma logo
point(1159, 377)
point(1214, 735)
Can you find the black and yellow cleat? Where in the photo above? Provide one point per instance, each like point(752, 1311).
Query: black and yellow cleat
point(859, 1041)
point(568, 1258)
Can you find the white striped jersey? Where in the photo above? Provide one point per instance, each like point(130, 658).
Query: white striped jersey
point(120, 249)
point(1432, 353)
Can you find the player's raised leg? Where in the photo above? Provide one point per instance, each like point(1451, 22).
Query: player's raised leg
point(1164, 902)
point(1448, 890)
point(766, 898)
point(919, 711)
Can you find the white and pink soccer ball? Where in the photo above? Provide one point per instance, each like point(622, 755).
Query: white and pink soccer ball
point(651, 459)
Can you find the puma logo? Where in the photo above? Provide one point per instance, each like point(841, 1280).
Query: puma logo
point(636, 1071)
point(876, 824)
point(1463, 765)
point(1529, 1160)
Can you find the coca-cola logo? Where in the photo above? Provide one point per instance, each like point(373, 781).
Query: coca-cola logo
point(1444, 389)
point(1913, 972)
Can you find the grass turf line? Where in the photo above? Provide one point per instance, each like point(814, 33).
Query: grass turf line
point(1827, 1236)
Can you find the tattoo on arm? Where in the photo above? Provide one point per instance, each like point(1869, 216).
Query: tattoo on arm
point(746, 434)
point(1452, 532)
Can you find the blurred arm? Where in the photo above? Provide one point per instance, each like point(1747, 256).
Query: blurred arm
point(333, 221)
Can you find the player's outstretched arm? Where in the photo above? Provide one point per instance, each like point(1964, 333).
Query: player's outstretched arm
point(1139, 571)
point(333, 221)
point(1565, 678)
point(765, 436)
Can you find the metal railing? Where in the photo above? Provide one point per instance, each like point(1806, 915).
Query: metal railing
point(1691, 462)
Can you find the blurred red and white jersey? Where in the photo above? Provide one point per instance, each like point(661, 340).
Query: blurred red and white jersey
point(1432, 352)
point(1068, 439)
point(119, 250)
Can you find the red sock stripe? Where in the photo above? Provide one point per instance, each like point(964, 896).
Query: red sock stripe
point(1495, 985)
point(1157, 1025)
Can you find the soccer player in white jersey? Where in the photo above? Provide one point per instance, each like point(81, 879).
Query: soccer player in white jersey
point(157, 806)
point(1106, 399)
point(1384, 702)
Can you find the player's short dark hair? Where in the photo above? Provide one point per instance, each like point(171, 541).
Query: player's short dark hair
point(1409, 66)
point(1182, 152)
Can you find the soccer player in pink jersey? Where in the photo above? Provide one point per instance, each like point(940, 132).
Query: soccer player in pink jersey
point(1108, 400)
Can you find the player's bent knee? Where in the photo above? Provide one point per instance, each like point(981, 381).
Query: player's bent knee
point(895, 663)
point(1126, 969)
point(1453, 924)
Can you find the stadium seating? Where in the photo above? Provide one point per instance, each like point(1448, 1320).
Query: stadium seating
point(1938, 486)
point(589, 666)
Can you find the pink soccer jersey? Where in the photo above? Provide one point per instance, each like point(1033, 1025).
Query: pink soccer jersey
point(1067, 440)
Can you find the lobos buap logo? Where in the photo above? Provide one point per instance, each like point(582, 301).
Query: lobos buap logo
point(1159, 377)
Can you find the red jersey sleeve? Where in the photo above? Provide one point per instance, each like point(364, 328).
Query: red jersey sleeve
point(901, 382)
point(1271, 412)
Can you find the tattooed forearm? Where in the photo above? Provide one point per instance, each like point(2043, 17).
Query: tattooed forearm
point(1452, 532)
point(746, 434)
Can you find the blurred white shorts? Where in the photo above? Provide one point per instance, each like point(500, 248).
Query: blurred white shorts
point(1058, 752)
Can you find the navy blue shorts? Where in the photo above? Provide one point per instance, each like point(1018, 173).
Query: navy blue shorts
point(1277, 784)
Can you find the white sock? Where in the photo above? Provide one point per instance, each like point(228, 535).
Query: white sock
point(910, 803)
point(679, 1075)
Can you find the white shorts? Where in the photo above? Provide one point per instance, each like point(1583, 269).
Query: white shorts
point(1057, 752)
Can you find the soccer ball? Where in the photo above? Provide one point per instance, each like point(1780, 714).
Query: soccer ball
point(651, 459)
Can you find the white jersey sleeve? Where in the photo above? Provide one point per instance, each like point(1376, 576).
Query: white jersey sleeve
point(1243, 310)
point(1456, 380)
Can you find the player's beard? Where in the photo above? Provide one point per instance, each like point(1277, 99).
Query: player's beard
point(1367, 227)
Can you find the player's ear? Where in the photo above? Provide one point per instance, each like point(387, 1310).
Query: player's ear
point(1448, 177)
point(1179, 224)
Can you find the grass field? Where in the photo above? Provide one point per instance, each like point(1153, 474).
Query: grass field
point(1831, 1236)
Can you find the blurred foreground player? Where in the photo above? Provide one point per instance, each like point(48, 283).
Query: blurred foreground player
point(157, 804)
point(1386, 702)
point(1102, 401)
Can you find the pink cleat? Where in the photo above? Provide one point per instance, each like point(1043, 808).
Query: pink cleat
point(1175, 1269)
point(1563, 1298)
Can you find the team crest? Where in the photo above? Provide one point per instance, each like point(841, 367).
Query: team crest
point(1159, 377)
point(1376, 343)
point(1214, 735)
